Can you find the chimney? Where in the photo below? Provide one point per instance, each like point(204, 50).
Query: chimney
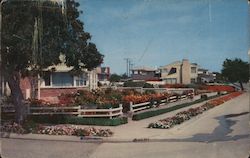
point(185, 72)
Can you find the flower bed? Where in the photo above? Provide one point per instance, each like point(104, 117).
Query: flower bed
point(219, 88)
point(70, 130)
point(73, 130)
point(188, 114)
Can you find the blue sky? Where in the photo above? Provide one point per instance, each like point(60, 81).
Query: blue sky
point(157, 32)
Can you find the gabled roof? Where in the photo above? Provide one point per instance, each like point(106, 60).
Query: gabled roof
point(173, 63)
point(144, 68)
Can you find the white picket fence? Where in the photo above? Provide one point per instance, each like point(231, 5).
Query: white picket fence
point(108, 113)
point(74, 110)
point(142, 106)
point(53, 110)
point(112, 112)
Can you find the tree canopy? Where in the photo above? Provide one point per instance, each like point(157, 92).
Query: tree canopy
point(236, 70)
point(36, 33)
point(115, 78)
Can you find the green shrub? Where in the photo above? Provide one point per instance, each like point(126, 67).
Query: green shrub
point(147, 85)
point(50, 119)
point(97, 121)
point(204, 96)
point(133, 84)
point(63, 119)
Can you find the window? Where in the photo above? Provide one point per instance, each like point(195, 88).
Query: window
point(63, 79)
point(135, 72)
point(172, 71)
point(81, 80)
point(193, 69)
point(171, 80)
point(193, 80)
point(164, 70)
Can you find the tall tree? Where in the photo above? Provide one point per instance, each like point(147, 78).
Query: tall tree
point(115, 78)
point(236, 71)
point(35, 34)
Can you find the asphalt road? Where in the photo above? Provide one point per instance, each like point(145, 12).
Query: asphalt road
point(14, 148)
point(222, 132)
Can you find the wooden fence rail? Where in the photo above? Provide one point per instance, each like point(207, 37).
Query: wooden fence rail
point(109, 113)
point(74, 110)
point(101, 112)
point(53, 110)
point(141, 106)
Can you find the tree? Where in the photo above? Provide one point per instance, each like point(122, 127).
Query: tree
point(115, 78)
point(236, 71)
point(35, 34)
point(219, 78)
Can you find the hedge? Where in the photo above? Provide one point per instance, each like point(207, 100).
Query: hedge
point(98, 121)
point(156, 112)
point(63, 119)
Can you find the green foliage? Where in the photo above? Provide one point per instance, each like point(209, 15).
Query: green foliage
point(235, 70)
point(138, 84)
point(115, 78)
point(147, 85)
point(36, 35)
point(133, 84)
point(63, 119)
point(97, 121)
point(58, 34)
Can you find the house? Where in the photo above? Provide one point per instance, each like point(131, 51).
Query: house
point(144, 74)
point(53, 83)
point(179, 72)
point(103, 75)
point(204, 76)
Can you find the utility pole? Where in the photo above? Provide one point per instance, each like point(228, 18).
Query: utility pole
point(128, 66)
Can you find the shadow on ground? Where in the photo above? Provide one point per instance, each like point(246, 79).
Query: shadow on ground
point(220, 133)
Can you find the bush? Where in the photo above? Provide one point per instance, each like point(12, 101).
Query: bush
point(133, 84)
point(63, 119)
point(147, 85)
point(50, 119)
point(204, 96)
point(97, 121)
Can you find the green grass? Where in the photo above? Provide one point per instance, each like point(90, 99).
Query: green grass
point(156, 112)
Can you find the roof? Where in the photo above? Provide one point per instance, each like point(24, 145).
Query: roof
point(173, 63)
point(144, 68)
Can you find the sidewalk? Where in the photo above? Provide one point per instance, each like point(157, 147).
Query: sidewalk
point(138, 129)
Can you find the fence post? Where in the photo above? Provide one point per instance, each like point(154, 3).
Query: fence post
point(79, 110)
point(131, 107)
point(120, 106)
point(110, 113)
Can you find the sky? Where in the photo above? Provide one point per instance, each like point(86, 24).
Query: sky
point(155, 33)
